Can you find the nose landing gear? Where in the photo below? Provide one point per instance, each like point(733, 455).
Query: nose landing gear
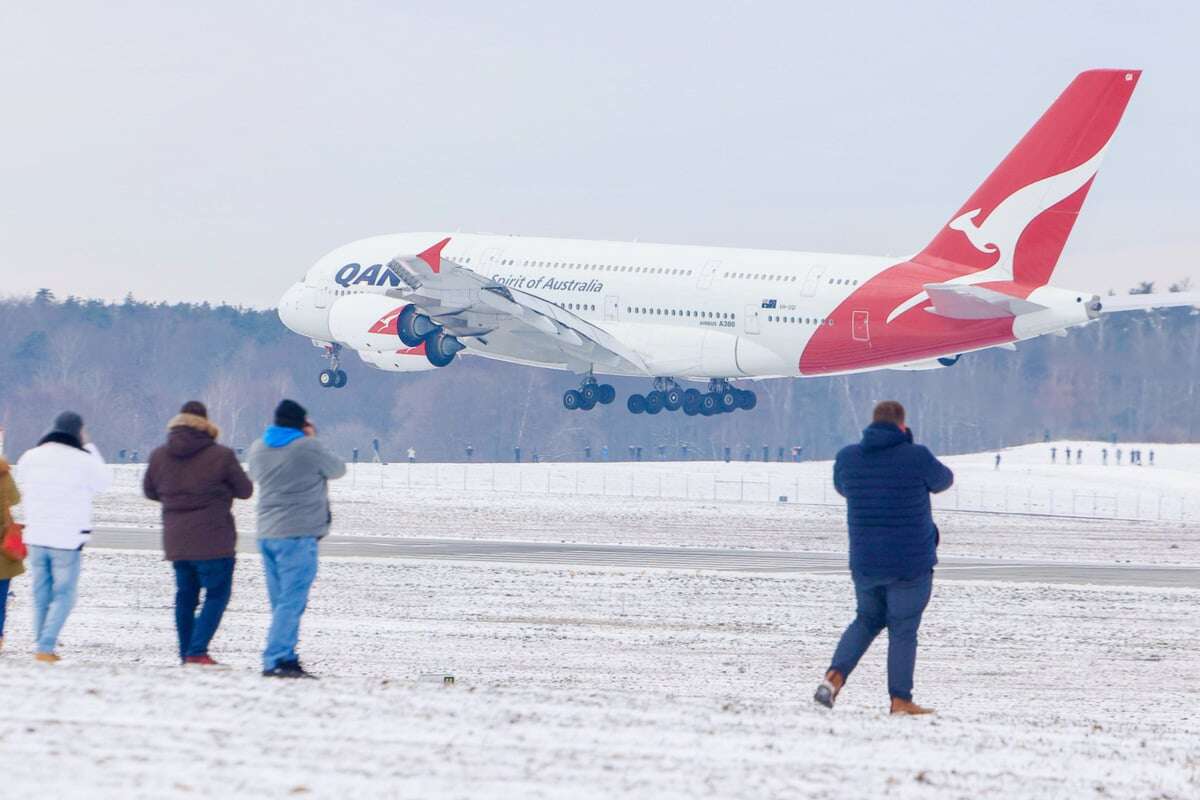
point(334, 377)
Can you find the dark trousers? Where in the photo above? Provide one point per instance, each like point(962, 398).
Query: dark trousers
point(215, 577)
point(3, 603)
point(895, 604)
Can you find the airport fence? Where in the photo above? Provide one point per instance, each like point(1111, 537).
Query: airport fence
point(587, 480)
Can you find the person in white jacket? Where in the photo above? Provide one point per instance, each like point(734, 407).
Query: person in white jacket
point(58, 480)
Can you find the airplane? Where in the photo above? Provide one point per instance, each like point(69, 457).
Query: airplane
point(674, 313)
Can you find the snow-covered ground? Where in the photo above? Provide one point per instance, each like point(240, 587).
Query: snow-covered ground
point(602, 683)
point(567, 502)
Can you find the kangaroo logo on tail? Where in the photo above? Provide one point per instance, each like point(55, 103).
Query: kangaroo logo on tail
point(1001, 229)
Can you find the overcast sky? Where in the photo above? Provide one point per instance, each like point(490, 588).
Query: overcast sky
point(215, 150)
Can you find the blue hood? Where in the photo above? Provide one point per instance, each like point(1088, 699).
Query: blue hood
point(882, 435)
point(278, 436)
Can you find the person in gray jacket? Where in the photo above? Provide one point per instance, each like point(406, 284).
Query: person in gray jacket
point(292, 470)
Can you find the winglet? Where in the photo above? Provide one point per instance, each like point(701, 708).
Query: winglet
point(433, 256)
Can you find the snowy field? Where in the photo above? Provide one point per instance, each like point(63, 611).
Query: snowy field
point(540, 502)
point(615, 682)
point(597, 683)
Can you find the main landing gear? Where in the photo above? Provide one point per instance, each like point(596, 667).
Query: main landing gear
point(334, 377)
point(414, 328)
point(588, 395)
point(720, 398)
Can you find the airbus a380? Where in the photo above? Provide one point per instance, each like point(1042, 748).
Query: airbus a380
point(674, 313)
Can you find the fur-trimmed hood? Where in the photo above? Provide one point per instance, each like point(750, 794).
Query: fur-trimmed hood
point(188, 434)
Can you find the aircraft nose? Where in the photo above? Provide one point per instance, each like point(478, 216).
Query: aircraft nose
point(289, 307)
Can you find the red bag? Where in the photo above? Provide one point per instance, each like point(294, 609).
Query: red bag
point(12, 544)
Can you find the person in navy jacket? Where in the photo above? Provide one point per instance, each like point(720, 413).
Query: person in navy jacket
point(886, 480)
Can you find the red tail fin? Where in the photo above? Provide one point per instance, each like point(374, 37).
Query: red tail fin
point(1015, 225)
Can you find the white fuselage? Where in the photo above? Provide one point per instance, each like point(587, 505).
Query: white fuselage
point(699, 312)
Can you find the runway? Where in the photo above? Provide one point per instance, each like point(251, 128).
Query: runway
point(686, 558)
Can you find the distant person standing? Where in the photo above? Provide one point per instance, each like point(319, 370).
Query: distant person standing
point(1053, 455)
point(58, 479)
point(412, 455)
point(10, 566)
point(1068, 453)
point(997, 461)
point(886, 480)
point(1078, 457)
point(1118, 456)
point(1152, 458)
point(1104, 456)
point(470, 451)
point(196, 480)
point(292, 469)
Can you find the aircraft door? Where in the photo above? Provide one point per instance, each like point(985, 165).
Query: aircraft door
point(707, 274)
point(811, 281)
point(752, 313)
point(490, 258)
point(612, 308)
point(321, 296)
point(860, 327)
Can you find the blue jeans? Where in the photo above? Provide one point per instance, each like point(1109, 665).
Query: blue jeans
point(55, 582)
point(3, 603)
point(290, 566)
point(894, 603)
point(215, 577)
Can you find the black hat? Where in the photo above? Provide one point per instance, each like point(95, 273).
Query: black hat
point(68, 422)
point(290, 414)
point(195, 408)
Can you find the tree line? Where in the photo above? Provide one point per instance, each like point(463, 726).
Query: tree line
point(127, 366)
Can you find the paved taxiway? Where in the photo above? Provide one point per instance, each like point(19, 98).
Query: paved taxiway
point(688, 558)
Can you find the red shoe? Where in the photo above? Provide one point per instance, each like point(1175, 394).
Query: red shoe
point(204, 661)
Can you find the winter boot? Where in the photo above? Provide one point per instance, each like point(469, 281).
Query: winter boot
point(827, 692)
point(47, 658)
point(907, 708)
point(203, 660)
point(288, 669)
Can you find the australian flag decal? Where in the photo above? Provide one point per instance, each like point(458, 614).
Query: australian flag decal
point(769, 303)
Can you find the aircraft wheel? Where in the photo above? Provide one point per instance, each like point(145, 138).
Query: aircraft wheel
point(327, 378)
point(691, 402)
point(709, 404)
point(654, 402)
point(636, 404)
point(727, 400)
point(590, 393)
point(607, 393)
point(572, 399)
point(342, 379)
point(672, 399)
point(585, 404)
point(747, 400)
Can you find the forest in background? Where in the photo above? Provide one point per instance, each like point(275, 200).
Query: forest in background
point(127, 367)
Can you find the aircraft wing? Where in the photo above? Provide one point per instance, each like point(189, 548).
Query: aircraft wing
point(475, 309)
point(962, 301)
point(1145, 302)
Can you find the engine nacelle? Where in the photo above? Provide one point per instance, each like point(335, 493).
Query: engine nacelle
point(367, 323)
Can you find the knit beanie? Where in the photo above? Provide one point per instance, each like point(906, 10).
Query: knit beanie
point(290, 414)
point(68, 422)
point(195, 408)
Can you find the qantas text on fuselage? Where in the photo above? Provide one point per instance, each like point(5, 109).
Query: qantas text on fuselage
point(674, 313)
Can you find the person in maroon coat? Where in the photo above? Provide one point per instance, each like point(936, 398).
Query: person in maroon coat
point(196, 480)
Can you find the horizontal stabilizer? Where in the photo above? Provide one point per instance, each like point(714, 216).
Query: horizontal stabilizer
point(960, 301)
point(1144, 302)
